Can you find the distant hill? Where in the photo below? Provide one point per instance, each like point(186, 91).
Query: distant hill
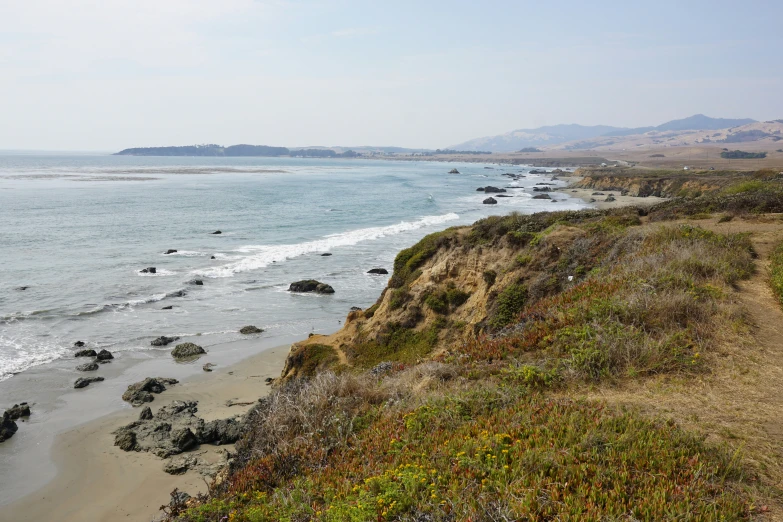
point(556, 134)
point(695, 122)
point(540, 137)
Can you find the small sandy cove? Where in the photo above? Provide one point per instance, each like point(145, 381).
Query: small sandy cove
point(97, 481)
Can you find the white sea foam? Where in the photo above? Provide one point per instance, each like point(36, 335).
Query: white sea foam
point(188, 253)
point(23, 351)
point(264, 255)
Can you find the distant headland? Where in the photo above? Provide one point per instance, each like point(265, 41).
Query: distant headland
point(236, 151)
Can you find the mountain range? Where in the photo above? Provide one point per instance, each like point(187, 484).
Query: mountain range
point(556, 134)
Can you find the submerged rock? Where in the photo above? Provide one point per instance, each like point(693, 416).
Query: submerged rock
point(176, 429)
point(326, 254)
point(163, 340)
point(149, 270)
point(7, 427)
point(104, 355)
point(250, 329)
point(87, 367)
point(216, 232)
point(85, 353)
point(83, 382)
point(141, 392)
point(490, 201)
point(18, 410)
point(167, 307)
point(21, 288)
point(311, 285)
point(185, 350)
point(542, 196)
point(378, 271)
point(170, 251)
point(78, 344)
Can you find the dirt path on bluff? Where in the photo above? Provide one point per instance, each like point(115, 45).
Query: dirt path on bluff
point(739, 401)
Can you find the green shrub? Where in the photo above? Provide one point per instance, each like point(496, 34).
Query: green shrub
point(489, 277)
point(508, 305)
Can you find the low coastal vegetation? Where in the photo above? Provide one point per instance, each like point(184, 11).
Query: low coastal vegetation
point(457, 395)
point(741, 154)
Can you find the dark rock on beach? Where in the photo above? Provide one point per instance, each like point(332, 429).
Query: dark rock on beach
point(379, 271)
point(7, 427)
point(542, 196)
point(18, 410)
point(208, 367)
point(78, 344)
point(87, 367)
point(175, 429)
point(163, 340)
point(146, 413)
point(85, 353)
point(104, 355)
point(250, 329)
point(186, 350)
point(490, 201)
point(311, 285)
point(141, 392)
point(542, 189)
point(170, 251)
point(149, 270)
point(83, 382)
point(610, 198)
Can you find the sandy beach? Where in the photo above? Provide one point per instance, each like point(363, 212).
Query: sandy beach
point(601, 203)
point(96, 481)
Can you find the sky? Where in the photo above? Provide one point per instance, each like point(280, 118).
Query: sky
point(111, 74)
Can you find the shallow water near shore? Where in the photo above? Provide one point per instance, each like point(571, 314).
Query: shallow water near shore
point(77, 230)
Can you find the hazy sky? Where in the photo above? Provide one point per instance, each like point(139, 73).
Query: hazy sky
point(110, 74)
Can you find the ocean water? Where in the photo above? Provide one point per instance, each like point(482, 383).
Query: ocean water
point(77, 230)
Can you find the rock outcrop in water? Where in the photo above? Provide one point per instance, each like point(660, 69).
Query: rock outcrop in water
point(104, 355)
point(250, 329)
point(170, 251)
point(87, 367)
point(490, 201)
point(216, 232)
point(149, 270)
point(163, 340)
point(197, 282)
point(495, 190)
point(83, 382)
point(542, 196)
point(176, 429)
point(453, 171)
point(18, 410)
point(85, 353)
point(378, 271)
point(187, 350)
point(141, 392)
point(78, 344)
point(311, 285)
point(7, 427)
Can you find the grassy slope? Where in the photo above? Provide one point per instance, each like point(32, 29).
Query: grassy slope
point(480, 435)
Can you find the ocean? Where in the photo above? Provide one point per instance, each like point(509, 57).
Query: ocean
point(77, 231)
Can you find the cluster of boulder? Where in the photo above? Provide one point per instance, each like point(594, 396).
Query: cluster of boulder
point(101, 357)
point(175, 429)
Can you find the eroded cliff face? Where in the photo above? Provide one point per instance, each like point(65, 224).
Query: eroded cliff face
point(456, 286)
point(650, 184)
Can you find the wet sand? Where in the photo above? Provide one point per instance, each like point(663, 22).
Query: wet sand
point(95, 481)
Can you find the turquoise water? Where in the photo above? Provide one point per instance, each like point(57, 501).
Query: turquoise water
point(76, 230)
